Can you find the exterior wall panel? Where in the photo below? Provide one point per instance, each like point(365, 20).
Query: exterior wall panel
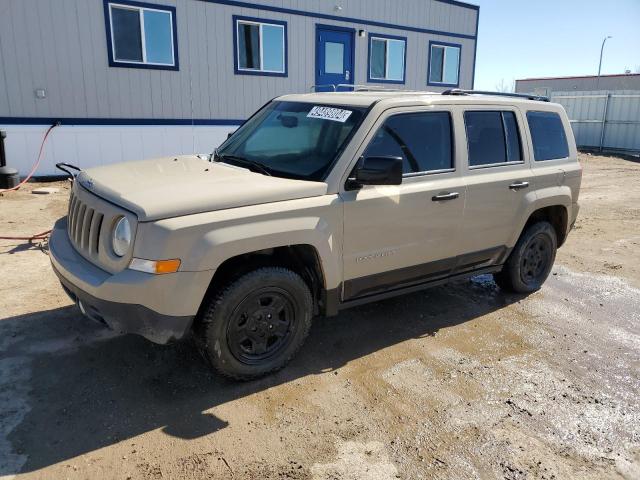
point(578, 84)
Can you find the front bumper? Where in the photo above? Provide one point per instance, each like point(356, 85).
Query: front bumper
point(161, 308)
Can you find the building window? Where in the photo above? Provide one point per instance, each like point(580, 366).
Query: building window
point(444, 64)
point(141, 35)
point(260, 46)
point(387, 58)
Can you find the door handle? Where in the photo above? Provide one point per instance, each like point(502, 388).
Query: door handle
point(347, 74)
point(518, 185)
point(445, 196)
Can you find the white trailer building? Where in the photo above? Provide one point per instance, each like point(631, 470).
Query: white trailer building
point(129, 80)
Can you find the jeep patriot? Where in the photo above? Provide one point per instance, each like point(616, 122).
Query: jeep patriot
point(319, 202)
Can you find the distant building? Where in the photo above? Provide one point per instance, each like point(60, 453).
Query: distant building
point(547, 85)
point(130, 80)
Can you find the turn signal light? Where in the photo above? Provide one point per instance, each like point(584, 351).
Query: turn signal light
point(157, 267)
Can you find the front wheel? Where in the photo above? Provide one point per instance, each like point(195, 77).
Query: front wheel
point(257, 324)
point(531, 261)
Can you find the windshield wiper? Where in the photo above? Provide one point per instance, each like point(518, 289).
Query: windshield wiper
point(221, 157)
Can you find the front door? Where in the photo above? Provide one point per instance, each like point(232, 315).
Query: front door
point(399, 236)
point(334, 58)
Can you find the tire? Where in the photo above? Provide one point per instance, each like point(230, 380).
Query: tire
point(531, 260)
point(255, 325)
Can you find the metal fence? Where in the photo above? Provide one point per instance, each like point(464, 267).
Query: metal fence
point(606, 120)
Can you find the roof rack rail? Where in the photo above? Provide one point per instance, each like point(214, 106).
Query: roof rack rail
point(528, 96)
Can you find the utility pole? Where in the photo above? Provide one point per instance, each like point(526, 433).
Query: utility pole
point(600, 64)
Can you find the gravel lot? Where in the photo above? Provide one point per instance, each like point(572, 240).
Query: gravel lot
point(461, 381)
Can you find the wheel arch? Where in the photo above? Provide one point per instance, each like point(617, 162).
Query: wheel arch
point(556, 214)
point(303, 259)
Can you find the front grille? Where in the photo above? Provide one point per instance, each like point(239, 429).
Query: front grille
point(84, 224)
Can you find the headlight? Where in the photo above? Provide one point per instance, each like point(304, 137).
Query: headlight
point(121, 239)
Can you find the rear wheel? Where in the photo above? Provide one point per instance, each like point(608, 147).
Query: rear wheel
point(256, 325)
point(531, 260)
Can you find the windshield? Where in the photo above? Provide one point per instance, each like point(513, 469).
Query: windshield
point(292, 139)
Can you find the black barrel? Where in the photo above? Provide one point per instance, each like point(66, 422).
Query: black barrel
point(9, 177)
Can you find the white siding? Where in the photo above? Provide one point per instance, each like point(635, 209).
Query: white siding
point(90, 146)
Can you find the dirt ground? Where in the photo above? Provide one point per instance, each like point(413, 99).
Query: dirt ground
point(461, 381)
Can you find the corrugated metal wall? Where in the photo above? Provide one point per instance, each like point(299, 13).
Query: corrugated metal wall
point(60, 46)
point(606, 119)
point(544, 86)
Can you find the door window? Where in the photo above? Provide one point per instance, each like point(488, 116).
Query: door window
point(423, 140)
point(334, 58)
point(492, 137)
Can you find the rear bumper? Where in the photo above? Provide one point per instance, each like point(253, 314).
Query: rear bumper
point(159, 307)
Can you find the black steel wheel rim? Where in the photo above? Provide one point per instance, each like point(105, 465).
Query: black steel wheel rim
point(262, 325)
point(535, 259)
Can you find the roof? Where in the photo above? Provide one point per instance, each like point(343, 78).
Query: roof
point(580, 77)
point(367, 98)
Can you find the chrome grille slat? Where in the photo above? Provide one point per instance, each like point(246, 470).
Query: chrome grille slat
point(77, 232)
point(72, 210)
point(94, 236)
point(86, 231)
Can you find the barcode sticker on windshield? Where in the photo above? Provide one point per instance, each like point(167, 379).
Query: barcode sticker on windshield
point(330, 113)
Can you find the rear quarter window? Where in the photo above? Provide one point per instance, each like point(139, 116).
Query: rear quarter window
point(548, 136)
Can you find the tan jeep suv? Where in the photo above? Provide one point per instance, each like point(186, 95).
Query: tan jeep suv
point(317, 203)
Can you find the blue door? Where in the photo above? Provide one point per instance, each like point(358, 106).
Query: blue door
point(334, 58)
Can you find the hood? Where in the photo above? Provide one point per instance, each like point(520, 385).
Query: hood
point(183, 185)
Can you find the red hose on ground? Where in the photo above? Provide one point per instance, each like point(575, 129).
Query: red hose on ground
point(36, 165)
point(37, 236)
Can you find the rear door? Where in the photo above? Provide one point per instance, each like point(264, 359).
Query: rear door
point(499, 180)
point(397, 236)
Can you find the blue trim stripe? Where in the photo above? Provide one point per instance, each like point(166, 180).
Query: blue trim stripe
point(291, 11)
point(118, 121)
point(460, 4)
point(475, 51)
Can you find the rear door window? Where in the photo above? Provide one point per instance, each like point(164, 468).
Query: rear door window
point(423, 140)
point(492, 137)
point(548, 136)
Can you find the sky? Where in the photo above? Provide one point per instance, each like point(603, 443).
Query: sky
point(549, 38)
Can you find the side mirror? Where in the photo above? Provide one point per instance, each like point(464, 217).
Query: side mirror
point(378, 171)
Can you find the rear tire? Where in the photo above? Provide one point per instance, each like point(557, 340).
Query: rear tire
point(531, 260)
point(256, 324)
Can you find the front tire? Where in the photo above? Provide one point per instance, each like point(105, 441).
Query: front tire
point(531, 261)
point(256, 324)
